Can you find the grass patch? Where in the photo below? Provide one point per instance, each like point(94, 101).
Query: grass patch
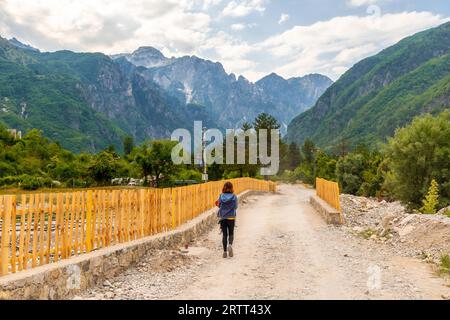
point(444, 267)
point(366, 234)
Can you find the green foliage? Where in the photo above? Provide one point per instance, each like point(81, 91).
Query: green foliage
point(26, 182)
point(310, 163)
point(39, 94)
point(445, 264)
point(34, 183)
point(231, 174)
point(361, 172)
point(265, 121)
point(418, 154)
point(35, 162)
point(155, 160)
point(349, 170)
point(325, 166)
point(189, 174)
point(368, 233)
point(128, 145)
point(305, 173)
point(290, 156)
point(104, 168)
point(431, 200)
point(308, 149)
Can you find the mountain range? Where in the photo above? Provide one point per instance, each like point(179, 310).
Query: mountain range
point(381, 93)
point(232, 100)
point(88, 101)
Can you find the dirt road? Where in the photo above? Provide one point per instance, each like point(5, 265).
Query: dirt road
point(283, 250)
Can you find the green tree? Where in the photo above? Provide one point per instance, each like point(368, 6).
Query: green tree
point(416, 155)
point(128, 145)
point(246, 126)
point(293, 156)
point(266, 121)
point(308, 150)
point(325, 166)
point(143, 157)
point(349, 170)
point(361, 172)
point(155, 159)
point(431, 200)
point(103, 168)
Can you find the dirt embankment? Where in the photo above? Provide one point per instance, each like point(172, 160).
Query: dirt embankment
point(423, 236)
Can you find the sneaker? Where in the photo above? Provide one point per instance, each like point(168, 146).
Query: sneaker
point(225, 254)
point(230, 251)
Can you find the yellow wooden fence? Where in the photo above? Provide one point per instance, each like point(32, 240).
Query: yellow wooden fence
point(42, 228)
point(329, 191)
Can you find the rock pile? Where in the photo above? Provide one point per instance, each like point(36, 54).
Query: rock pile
point(410, 234)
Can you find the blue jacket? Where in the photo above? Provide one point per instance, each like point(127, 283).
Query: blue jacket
point(228, 204)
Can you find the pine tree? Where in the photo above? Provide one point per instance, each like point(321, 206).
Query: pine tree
point(431, 199)
point(128, 145)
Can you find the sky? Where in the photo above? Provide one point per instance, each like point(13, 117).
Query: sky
point(249, 37)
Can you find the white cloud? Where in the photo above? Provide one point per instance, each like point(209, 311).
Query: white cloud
point(232, 53)
point(105, 25)
point(238, 26)
point(242, 26)
point(243, 8)
point(210, 3)
point(358, 3)
point(333, 46)
point(182, 27)
point(283, 18)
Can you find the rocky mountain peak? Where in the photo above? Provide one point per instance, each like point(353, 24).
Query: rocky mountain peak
point(149, 52)
point(21, 45)
point(148, 57)
point(271, 79)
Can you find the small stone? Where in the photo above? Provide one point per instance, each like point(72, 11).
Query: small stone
point(110, 295)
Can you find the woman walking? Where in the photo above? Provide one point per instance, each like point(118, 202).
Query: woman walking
point(227, 204)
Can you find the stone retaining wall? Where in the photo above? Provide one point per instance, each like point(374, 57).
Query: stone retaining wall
point(67, 278)
point(330, 214)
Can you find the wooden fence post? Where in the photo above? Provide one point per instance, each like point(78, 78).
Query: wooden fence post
point(89, 222)
point(6, 224)
point(173, 198)
point(13, 216)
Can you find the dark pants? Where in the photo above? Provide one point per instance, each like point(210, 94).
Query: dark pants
point(227, 227)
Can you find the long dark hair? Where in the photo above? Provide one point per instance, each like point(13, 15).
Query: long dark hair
point(228, 188)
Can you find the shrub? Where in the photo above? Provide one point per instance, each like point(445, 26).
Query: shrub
point(418, 154)
point(305, 173)
point(349, 170)
point(431, 200)
point(189, 174)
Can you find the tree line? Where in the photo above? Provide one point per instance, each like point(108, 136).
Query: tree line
point(413, 166)
point(35, 162)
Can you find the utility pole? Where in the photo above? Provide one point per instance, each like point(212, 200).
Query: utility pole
point(205, 168)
